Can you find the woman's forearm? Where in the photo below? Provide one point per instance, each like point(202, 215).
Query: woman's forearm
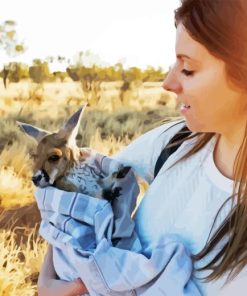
point(47, 270)
point(48, 285)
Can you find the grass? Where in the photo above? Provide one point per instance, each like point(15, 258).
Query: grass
point(20, 263)
point(15, 176)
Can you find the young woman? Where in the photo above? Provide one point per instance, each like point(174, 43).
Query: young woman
point(200, 193)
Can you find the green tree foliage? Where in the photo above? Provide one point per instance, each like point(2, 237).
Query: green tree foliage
point(83, 70)
point(16, 71)
point(59, 76)
point(152, 74)
point(39, 71)
point(90, 79)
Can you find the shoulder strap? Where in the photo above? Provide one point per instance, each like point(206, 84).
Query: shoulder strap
point(166, 152)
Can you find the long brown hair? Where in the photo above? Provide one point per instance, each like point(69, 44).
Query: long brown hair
point(221, 26)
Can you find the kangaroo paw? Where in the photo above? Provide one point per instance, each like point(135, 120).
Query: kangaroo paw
point(110, 195)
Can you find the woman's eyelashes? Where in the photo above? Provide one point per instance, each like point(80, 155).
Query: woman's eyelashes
point(187, 72)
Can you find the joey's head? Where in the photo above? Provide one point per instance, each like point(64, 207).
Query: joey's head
point(53, 158)
point(55, 152)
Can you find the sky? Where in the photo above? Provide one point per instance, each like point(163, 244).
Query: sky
point(134, 32)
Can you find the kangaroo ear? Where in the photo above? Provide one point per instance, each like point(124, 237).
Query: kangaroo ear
point(71, 127)
point(32, 131)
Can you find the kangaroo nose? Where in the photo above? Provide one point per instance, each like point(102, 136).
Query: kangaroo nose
point(36, 179)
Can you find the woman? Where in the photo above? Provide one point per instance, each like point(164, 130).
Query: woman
point(200, 193)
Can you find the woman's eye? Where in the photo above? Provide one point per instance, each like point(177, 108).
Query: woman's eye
point(187, 72)
point(53, 158)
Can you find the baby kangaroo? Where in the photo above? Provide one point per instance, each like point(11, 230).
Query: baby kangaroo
point(59, 162)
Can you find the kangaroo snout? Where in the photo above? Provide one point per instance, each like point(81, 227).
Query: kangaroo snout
point(36, 179)
point(41, 179)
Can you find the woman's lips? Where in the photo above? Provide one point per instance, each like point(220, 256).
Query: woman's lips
point(184, 108)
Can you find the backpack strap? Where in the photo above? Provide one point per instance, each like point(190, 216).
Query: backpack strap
point(166, 152)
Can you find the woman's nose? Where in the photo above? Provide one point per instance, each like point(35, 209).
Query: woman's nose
point(171, 83)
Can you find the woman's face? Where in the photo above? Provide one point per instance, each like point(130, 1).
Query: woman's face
point(199, 80)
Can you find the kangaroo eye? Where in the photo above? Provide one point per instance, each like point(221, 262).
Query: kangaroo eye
point(53, 158)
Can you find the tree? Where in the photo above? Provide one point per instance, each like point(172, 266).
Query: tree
point(39, 71)
point(16, 71)
point(90, 76)
point(9, 44)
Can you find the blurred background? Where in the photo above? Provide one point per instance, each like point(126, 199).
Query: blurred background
point(56, 56)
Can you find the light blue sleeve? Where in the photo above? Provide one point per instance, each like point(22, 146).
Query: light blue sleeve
point(144, 151)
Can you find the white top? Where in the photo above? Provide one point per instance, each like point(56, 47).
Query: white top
point(184, 199)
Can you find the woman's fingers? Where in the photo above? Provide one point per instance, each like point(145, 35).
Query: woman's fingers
point(73, 288)
point(76, 287)
point(62, 288)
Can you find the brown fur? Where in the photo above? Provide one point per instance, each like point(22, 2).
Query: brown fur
point(54, 144)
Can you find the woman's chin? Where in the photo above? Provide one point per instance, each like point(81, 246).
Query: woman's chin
point(196, 127)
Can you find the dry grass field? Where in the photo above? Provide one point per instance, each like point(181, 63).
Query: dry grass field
point(108, 126)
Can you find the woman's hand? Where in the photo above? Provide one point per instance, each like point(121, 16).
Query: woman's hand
point(48, 285)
